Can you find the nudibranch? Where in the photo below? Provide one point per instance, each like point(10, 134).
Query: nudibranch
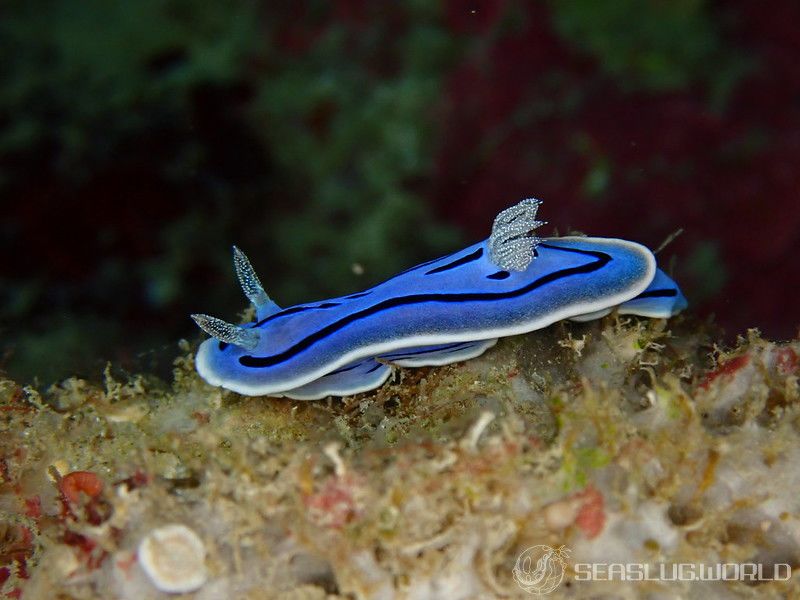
point(442, 311)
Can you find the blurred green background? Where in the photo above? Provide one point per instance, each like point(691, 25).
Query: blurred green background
point(340, 142)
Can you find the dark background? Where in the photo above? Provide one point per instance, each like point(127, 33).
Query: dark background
point(139, 140)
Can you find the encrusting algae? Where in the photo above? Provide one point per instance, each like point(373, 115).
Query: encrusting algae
point(619, 441)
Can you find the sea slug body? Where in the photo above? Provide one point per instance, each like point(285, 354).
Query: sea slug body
point(442, 311)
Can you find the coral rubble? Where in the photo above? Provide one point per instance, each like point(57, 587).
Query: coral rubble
point(620, 441)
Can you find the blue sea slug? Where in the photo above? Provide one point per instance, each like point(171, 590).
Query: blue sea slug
point(442, 311)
